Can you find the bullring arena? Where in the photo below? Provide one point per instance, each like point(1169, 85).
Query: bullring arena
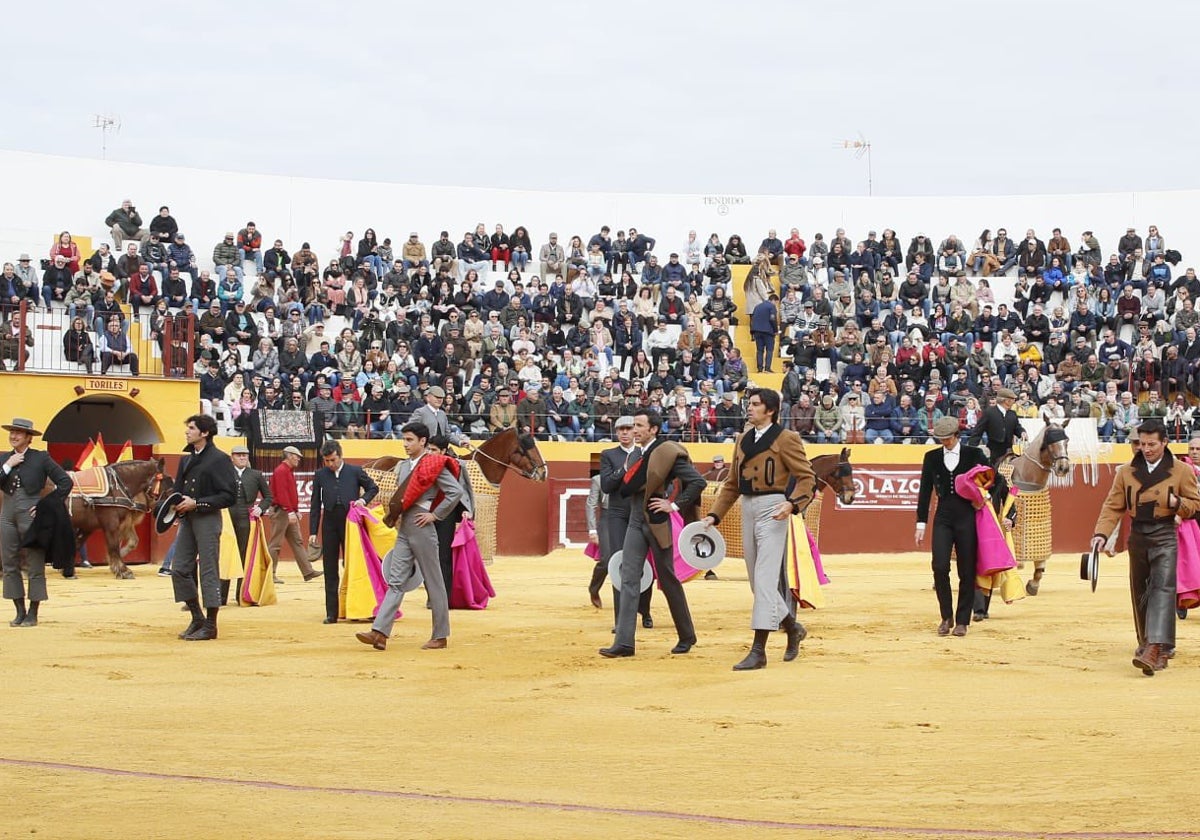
point(1032, 726)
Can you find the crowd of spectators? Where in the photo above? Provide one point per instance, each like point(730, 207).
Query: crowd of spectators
point(879, 338)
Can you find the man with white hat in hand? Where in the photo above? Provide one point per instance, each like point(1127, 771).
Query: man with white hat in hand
point(953, 525)
point(23, 474)
point(772, 475)
point(285, 516)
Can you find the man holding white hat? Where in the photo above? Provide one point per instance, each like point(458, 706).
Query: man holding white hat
point(953, 525)
point(772, 475)
point(614, 463)
point(23, 474)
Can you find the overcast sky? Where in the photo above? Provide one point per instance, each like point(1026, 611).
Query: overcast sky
point(956, 97)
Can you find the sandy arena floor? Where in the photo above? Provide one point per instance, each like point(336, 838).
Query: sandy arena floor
point(1034, 725)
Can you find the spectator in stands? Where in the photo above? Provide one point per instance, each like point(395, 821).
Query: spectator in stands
point(174, 290)
point(877, 417)
point(103, 260)
point(276, 262)
point(249, 244)
point(731, 420)
point(181, 256)
point(25, 282)
point(115, 349)
point(1125, 417)
point(230, 291)
point(81, 296)
point(65, 247)
point(640, 247)
point(143, 290)
point(56, 282)
point(107, 308)
point(13, 339)
point(240, 325)
point(77, 345)
point(126, 223)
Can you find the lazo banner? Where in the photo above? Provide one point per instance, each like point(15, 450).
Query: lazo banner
point(884, 489)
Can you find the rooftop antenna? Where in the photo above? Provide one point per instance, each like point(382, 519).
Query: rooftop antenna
point(861, 146)
point(105, 123)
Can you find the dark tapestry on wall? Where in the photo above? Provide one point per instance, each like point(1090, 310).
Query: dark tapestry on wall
point(271, 431)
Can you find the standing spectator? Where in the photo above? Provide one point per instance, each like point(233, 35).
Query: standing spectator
point(764, 326)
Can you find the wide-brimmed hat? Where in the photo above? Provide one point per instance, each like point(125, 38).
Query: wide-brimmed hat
point(614, 573)
point(701, 546)
point(166, 516)
point(946, 427)
point(20, 424)
point(1089, 567)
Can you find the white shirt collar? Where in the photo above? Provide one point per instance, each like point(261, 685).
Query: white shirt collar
point(1151, 467)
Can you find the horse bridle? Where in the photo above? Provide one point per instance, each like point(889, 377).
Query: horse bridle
point(1046, 444)
point(534, 474)
point(844, 470)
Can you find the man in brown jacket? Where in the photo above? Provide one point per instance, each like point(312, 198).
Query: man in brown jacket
point(645, 484)
point(1152, 490)
point(772, 475)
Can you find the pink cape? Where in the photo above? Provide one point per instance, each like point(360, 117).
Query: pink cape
point(471, 588)
point(682, 570)
point(1187, 580)
point(994, 553)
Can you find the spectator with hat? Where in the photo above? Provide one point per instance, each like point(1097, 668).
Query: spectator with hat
point(284, 516)
point(26, 284)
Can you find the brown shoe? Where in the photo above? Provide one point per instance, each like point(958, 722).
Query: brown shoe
point(434, 644)
point(959, 630)
point(1147, 658)
point(375, 639)
point(944, 628)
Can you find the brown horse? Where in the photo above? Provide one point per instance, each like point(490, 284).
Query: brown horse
point(505, 451)
point(835, 472)
point(134, 488)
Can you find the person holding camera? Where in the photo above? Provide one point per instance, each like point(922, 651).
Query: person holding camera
point(126, 223)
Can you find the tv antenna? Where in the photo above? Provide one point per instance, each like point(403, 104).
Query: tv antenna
point(860, 147)
point(105, 123)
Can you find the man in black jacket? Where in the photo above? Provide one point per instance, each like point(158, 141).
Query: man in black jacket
point(209, 484)
point(251, 485)
point(336, 488)
point(953, 524)
point(23, 473)
point(1001, 425)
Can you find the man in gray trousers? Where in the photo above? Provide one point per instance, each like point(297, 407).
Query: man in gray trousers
point(415, 555)
point(207, 480)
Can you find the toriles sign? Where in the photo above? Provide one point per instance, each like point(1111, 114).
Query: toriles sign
point(121, 385)
point(877, 489)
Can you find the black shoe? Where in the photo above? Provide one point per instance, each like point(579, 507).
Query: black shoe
point(329, 620)
point(754, 660)
point(794, 637)
point(648, 622)
point(710, 575)
point(682, 647)
point(1182, 613)
point(206, 632)
point(616, 651)
point(196, 624)
point(979, 616)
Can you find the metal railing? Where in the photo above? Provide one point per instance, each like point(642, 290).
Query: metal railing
point(33, 339)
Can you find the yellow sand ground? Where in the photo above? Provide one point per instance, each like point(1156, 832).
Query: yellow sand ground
point(1035, 724)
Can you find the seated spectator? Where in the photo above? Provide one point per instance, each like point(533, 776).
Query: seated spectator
point(126, 223)
point(115, 349)
point(249, 244)
point(731, 420)
point(877, 417)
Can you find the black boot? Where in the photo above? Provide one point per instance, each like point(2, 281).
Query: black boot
point(19, 603)
point(599, 573)
point(193, 606)
point(207, 629)
point(795, 635)
point(757, 657)
point(224, 593)
point(31, 615)
point(983, 601)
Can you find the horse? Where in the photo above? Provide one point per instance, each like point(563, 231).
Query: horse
point(1047, 454)
point(833, 472)
point(134, 487)
point(507, 450)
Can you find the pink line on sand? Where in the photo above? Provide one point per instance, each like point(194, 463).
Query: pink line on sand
point(568, 807)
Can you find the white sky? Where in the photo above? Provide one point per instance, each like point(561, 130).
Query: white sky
point(956, 96)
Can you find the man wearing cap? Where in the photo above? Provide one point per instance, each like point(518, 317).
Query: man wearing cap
point(207, 480)
point(953, 524)
point(1001, 426)
point(251, 485)
point(226, 256)
point(774, 479)
point(431, 414)
point(614, 463)
point(285, 516)
point(24, 471)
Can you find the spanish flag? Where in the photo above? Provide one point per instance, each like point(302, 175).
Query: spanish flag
point(126, 452)
point(93, 455)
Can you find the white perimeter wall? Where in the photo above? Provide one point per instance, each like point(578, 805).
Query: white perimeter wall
point(43, 195)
